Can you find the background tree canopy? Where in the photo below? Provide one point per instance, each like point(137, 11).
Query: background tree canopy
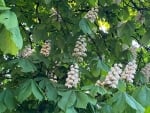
point(74, 56)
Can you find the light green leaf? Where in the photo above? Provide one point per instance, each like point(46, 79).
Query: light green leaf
point(36, 91)
point(2, 3)
point(134, 104)
point(142, 95)
point(71, 110)
point(9, 19)
point(68, 99)
point(93, 2)
point(6, 43)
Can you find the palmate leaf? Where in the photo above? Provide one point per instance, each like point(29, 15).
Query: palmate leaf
point(50, 91)
point(27, 88)
point(122, 99)
point(68, 99)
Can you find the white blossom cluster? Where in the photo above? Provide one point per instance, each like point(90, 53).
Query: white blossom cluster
point(116, 73)
point(129, 71)
point(133, 51)
point(92, 15)
point(146, 71)
point(113, 76)
point(73, 76)
point(46, 47)
point(80, 48)
point(27, 51)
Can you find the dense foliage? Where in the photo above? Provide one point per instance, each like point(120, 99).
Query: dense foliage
point(74, 56)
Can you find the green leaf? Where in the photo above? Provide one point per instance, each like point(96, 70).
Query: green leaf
point(2, 3)
point(121, 86)
point(25, 90)
point(118, 100)
point(71, 110)
point(146, 38)
point(47, 1)
point(2, 107)
point(83, 99)
point(142, 95)
point(26, 65)
point(125, 31)
point(106, 109)
point(134, 104)
point(50, 90)
point(9, 99)
point(83, 24)
point(9, 19)
point(36, 91)
point(103, 66)
point(68, 99)
point(6, 43)
point(99, 90)
point(93, 2)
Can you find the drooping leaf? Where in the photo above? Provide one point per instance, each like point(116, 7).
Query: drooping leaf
point(142, 95)
point(9, 99)
point(83, 24)
point(83, 99)
point(36, 91)
point(68, 99)
point(118, 100)
point(50, 91)
point(134, 104)
point(25, 90)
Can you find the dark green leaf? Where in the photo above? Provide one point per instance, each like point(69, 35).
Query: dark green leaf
point(25, 90)
point(36, 91)
point(9, 99)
